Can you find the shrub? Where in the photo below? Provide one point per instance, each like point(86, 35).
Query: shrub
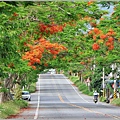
point(11, 107)
point(82, 87)
point(90, 93)
point(102, 99)
point(77, 83)
point(74, 78)
point(18, 93)
point(116, 101)
point(85, 91)
point(21, 103)
point(32, 88)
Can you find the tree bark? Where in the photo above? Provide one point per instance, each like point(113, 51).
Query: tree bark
point(8, 84)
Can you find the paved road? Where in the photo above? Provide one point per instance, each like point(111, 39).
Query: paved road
point(58, 99)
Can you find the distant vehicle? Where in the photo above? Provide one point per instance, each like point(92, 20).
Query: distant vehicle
point(26, 95)
point(95, 100)
point(51, 71)
point(95, 96)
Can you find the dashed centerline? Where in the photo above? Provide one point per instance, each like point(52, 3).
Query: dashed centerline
point(86, 109)
point(60, 97)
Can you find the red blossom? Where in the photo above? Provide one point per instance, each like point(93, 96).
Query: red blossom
point(110, 39)
point(111, 47)
point(52, 29)
point(82, 63)
point(103, 36)
point(15, 14)
point(90, 2)
point(96, 30)
point(95, 46)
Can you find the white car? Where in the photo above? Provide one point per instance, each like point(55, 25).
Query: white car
point(26, 95)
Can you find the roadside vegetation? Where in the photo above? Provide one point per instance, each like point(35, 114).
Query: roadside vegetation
point(41, 35)
point(81, 85)
point(11, 108)
point(32, 88)
point(86, 90)
point(116, 102)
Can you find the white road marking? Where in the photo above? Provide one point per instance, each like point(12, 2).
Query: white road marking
point(38, 105)
point(75, 90)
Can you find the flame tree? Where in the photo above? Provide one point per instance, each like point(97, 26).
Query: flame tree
point(37, 35)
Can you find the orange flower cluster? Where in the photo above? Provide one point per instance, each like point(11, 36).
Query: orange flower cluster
point(100, 38)
point(95, 46)
point(41, 46)
point(52, 28)
point(35, 53)
point(15, 14)
point(53, 48)
point(90, 2)
point(82, 63)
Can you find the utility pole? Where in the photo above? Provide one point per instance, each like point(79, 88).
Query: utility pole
point(103, 82)
point(115, 87)
point(115, 91)
point(114, 67)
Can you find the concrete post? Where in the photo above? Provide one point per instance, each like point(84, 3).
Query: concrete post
point(103, 82)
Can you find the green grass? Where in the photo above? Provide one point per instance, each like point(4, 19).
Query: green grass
point(116, 102)
point(81, 86)
point(73, 78)
point(11, 108)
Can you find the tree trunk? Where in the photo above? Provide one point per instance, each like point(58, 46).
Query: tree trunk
point(1, 94)
point(8, 84)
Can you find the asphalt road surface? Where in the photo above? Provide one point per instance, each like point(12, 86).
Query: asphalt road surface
point(58, 99)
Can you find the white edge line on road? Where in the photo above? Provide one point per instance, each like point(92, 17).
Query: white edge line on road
point(38, 105)
point(75, 90)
